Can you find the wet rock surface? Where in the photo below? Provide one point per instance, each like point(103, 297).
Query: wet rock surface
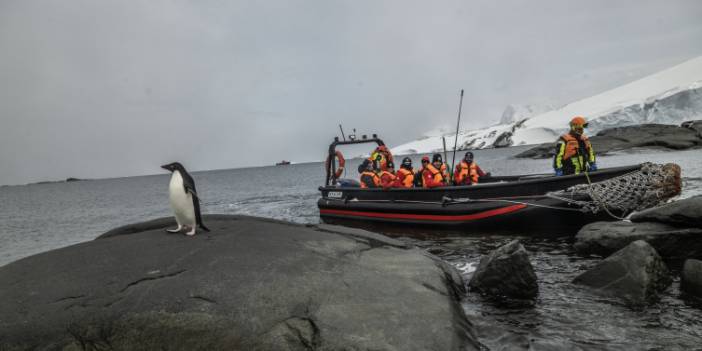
point(623, 138)
point(682, 213)
point(636, 274)
point(691, 278)
point(250, 284)
point(506, 275)
point(672, 243)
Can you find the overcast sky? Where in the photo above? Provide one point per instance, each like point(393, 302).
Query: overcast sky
point(95, 89)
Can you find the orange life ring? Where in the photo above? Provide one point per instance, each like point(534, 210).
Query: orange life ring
point(342, 163)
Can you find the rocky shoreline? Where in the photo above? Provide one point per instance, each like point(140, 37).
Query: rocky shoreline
point(260, 284)
point(661, 136)
point(250, 284)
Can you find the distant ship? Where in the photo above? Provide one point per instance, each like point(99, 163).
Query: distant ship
point(283, 163)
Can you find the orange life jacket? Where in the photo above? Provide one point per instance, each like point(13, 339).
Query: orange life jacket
point(432, 177)
point(387, 179)
point(572, 145)
point(376, 179)
point(405, 178)
point(465, 172)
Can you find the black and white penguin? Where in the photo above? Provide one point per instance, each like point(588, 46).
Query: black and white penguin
point(184, 200)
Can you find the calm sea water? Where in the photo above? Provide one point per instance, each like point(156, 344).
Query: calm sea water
point(41, 217)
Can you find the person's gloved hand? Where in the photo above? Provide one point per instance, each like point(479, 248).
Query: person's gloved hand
point(559, 172)
point(593, 167)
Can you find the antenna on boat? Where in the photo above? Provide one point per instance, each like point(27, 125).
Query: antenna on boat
point(455, 143)
point(342, 132)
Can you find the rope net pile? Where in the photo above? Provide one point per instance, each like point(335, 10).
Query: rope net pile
point(647, 187)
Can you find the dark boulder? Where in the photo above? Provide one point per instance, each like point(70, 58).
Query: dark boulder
point(249, 284)
point(694, 125)
point(691, 278)
point(506, 274)
point(621, 138)
point(636, 274)
point(672, 243)
point(682, 213)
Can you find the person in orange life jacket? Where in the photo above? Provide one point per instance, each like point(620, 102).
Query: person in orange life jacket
point(574, 153)
point(387, 176)
point(369, 179)
point(467, 172)
point(405, 175)
point(431, 174)
point(418, 176)
point(439, 164)
point(382, 155)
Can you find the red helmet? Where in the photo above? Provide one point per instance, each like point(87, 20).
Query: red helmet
point(578, 121)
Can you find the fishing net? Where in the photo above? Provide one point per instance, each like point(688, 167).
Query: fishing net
point(647, 187)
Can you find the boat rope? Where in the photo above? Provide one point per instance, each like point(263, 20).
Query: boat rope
point(646, 187)
point(450, 201)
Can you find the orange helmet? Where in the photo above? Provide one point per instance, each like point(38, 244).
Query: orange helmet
point(578, 121)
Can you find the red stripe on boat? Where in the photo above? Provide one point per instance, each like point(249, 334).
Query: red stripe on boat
point(469, 217)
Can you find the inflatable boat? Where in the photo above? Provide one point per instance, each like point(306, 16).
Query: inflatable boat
point(522, 202)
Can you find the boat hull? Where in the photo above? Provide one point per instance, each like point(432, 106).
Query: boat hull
point(514, 204)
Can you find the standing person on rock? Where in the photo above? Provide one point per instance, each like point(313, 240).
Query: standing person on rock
point(574, 153)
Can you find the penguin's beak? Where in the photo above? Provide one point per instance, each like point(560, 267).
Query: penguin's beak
point(166, 167)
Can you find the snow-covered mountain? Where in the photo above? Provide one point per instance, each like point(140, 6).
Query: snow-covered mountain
point(671, 96)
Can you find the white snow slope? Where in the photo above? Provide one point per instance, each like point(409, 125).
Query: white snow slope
point(671, 96)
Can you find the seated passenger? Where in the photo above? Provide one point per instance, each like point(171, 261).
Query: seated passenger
point(405, 175)
point(418, 177)
point(369, 179)
point(431, 176)
point(439, 164)
point(387, 176)
point(467, 172)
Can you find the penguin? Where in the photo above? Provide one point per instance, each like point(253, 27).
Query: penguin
point(184, 200)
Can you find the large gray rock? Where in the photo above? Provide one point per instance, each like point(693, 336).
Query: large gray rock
point(636, 274)
point(250, 284)
point(682, 213)
point(691, 278)
point(622, 138)
point(506, 274)
point(672, 243)
point(695, 125)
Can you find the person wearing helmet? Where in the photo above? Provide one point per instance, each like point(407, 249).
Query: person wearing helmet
point(418, 176)
point(467, 172)
point(405, 175)
point(574, 153)
point(387, 176)
point(438, 163)
point(369, 179)
point(382, 156)
point(432, 177)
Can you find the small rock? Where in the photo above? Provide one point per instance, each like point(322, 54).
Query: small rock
point(672, 243)
point(691, 278)
point(683, 213)
point(635, 274)
point(506, 274)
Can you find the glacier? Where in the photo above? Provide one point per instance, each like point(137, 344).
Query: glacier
point(671, 96)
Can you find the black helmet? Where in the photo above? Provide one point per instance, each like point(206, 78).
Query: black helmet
point(468, 157)
point(407, 162)
point(436, 158)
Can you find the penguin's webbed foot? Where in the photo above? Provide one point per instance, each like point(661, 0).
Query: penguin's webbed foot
point(191, 232)
point(177, 230)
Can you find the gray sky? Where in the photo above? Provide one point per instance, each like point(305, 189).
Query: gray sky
point(96, 89)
